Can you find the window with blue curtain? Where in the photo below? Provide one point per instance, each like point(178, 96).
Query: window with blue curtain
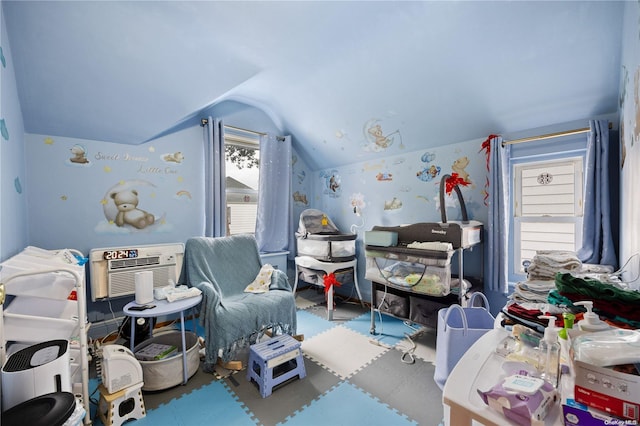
point(555, 193)
point(546, 199)
point(271, 205)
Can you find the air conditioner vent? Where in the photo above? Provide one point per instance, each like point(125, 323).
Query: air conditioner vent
point(112, 277)
point(132, 263)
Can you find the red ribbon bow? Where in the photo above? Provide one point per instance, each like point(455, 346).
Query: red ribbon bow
point(329, 281)
point(486, 146)
point(454, 180)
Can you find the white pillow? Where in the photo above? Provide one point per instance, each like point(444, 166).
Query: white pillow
point(262, 282)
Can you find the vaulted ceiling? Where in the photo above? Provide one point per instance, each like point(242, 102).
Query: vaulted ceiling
point(327, 72)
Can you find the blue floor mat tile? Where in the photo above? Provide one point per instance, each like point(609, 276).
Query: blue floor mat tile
point(321, 398)
point(389, 330)
point(189, 410)
point(311, 325)
point(347, 405)
point(221, 408)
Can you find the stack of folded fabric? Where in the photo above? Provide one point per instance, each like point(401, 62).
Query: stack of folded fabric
point(541, 275)
point(618, 305)
point(546, 263)
point(530, 298)
point(528, 314)
point(534, 291)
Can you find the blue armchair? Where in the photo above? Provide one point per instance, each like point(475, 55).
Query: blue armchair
point(222, 268)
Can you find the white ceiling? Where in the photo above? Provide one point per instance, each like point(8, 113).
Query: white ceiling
point(438, 72)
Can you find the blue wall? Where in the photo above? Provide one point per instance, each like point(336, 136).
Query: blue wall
point(13, 205)
point(73, 182)
point(402, 188)
point(72, 185)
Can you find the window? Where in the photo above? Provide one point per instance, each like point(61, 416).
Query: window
point(547, 208)
point(242, 155)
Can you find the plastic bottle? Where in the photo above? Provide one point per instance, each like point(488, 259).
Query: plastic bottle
point(549, 353)
point(591, 321)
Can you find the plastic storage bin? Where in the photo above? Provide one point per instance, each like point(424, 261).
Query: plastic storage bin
point(419, 275)
point(34, 320)
point(167, 373)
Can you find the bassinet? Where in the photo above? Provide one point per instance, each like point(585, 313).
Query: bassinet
point(319, 238)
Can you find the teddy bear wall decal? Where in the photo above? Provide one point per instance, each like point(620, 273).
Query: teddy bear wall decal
point(126, 202)
point(79, 155)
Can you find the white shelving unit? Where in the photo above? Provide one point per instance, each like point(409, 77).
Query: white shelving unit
point(49, 302)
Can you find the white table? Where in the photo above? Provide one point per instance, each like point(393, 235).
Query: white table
point(479, 368)
point(327, 268)
point(163, 307)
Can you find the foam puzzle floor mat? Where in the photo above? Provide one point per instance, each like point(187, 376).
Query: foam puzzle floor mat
point(352, 377)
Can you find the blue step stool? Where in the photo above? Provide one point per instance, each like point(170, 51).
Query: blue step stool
point(275, 361)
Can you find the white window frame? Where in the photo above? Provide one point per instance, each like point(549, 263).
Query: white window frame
point(516, 270)
point(245, 141)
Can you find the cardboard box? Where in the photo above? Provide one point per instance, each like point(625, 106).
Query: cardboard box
point(613, 392)
point(577, 414)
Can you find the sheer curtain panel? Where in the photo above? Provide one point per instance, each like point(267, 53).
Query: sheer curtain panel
point(274, 221)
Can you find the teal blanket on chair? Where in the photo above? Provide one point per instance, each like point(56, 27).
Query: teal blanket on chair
point(222, 268)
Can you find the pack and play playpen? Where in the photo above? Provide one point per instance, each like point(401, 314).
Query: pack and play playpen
point(323, 249)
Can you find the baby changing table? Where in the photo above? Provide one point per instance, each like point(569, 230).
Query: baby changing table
point(425, 284)
point(49, 303)
point(418, 303)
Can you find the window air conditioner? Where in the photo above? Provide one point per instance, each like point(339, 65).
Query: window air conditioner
point(112, 270)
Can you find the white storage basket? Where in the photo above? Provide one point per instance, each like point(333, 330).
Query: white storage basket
point(166, 373)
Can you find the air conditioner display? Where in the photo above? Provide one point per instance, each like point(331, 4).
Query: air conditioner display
point(120, 254)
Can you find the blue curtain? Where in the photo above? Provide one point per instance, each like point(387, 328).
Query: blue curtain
point(597, 239)
point(215, 196)
point(274, 221)
point(498, 221)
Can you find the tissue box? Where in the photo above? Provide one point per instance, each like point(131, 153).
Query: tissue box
point(613, 392)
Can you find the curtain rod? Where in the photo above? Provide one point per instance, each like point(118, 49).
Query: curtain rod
point(550, 135)
point(238, 129)
point(204, 121)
